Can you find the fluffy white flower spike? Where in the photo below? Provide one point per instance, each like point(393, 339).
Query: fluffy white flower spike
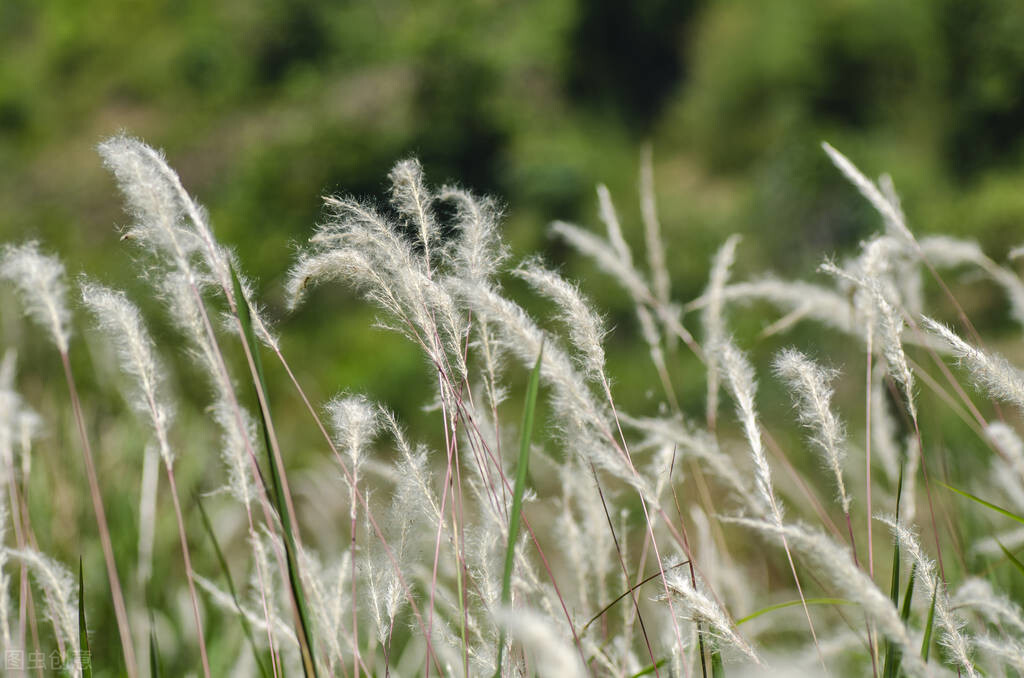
point(42, 286)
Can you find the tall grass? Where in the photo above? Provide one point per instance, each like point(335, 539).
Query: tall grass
point(449, 556)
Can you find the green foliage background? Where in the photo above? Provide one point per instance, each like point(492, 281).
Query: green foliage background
point(263, 107)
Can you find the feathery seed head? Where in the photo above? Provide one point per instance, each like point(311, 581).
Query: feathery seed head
point(867, 188)
point(356, 421)
point(40, 281)
point(120, 319)
point(478, 251)
point(414, 202)
point(586, 329)
point(811, 388)
point(989, 370)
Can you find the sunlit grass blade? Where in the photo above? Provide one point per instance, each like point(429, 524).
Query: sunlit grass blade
point(890, 666)
point(646, 579)
point(986, 504)
point(304, 632)
point(650, 668)
point(155, 670)
point(717, 665)
point(1012, 558)
point(793, 603)
point(222, 561)
point(525, 435)
point(926, 643)
point(83, 629)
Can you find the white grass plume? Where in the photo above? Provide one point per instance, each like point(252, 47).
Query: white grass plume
point(121, 320)
point(891, 213)
point(356, 422)
point(990, 371)
point(699, 607)
point(170, 223)
point(811, 387)
point(60, 593)
point(478, 251)
point(41, 284)
point(931, 586)
point(832, 562)
point(142, 175)
point(586, 329)
point(412, 199)
point(739, 378)
point(892, 348)
point(553, 653)
point(154, 190)
point(713, 318)
point(652, 229)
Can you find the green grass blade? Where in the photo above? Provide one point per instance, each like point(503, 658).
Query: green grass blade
point(717, 665)
point(304, 632)
point(926, 643)
point(222, 561)
point(793, 603)
point(909, 595)
point(997, 509)
point(83, 633)
point(1013, 559)
point(155, 670)
point(892, 669)
point(525, 435)
point(890, 666)
point(650, 668)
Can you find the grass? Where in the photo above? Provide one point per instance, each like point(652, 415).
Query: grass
point(483, 548)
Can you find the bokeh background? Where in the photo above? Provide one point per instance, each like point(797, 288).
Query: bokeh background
point(263, 107)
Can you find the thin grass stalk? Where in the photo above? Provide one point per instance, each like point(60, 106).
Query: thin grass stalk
point(281, 495)
point(525, 436)
point(231, 584)
point(116, 593)
point(625, 570)
point(85, 665)
point(440, 522)
point(363, 504)
point(173, 486)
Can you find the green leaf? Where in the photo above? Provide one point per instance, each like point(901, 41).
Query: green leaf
point(890, 667)
point(519, 489)
point(304, 632)
point(231, 585)
point(650, 668)
point(83, 631)
point(154, 655)
point(793, 603)
point(1013, 559)
point(717, 666)
point(997, 509)
point(926, 643)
